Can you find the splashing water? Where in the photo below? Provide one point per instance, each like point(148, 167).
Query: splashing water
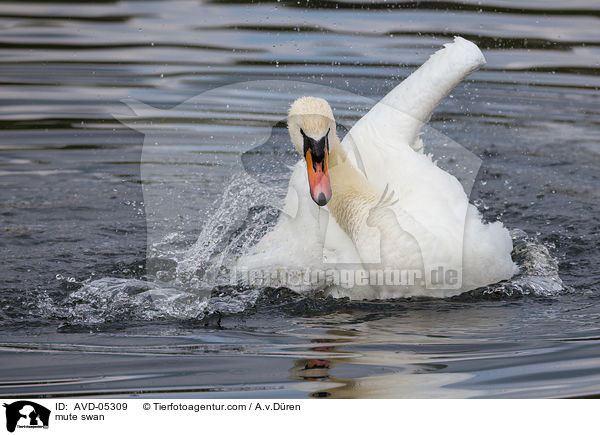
point(240, 221)
point(187, 283)
point(538, 270)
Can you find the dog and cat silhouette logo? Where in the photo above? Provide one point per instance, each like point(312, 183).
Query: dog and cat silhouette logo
point(26, 414)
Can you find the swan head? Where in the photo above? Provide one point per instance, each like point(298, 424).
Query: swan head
point(311, 126)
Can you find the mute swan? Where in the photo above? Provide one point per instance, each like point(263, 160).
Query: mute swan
point(372, 216)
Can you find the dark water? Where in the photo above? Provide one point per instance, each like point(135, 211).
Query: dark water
point(82, 311)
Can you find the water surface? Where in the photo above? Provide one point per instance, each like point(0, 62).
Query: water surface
point(83, 313)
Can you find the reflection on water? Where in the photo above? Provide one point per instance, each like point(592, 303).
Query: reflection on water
point(73, 217)
point(432, 350)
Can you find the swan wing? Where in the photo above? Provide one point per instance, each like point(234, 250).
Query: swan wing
point(394, 123)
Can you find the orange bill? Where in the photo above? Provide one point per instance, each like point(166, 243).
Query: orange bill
point(318, 179)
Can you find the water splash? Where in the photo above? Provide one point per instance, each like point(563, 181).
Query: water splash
point(119, 300)
point(187, 282)
point(247, 211)
point(538, 274)
point(116, 299)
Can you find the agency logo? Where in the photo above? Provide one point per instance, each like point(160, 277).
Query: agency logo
point(25, 414)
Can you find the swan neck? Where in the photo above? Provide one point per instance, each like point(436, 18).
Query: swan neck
point(337, 155)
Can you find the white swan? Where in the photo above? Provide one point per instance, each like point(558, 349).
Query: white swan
point(375, 217)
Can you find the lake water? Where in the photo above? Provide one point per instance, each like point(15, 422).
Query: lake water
point(109, 273)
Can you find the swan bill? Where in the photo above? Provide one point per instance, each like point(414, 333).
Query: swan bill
point(318, 178)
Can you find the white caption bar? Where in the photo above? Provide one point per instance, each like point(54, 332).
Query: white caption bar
point(166, 416)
